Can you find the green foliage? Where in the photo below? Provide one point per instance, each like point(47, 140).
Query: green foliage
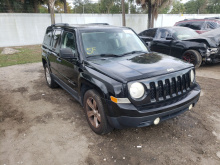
point(104, 6)
point(178, 8)
point(196, 7)
point(213, 6)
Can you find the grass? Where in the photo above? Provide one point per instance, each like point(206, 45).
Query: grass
point(27, 54)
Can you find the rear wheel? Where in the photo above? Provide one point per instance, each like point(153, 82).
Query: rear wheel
point(193, 57)
point(95, 114)
point(49, 79)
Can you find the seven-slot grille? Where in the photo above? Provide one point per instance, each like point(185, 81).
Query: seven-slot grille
point(164, 89)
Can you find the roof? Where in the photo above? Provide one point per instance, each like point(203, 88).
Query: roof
point(90, 25)
point(201, 19)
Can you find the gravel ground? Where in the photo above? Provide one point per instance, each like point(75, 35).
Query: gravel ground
point(39, 125)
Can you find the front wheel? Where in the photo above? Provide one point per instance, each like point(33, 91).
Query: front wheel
point(193, 57)
point(95, 114)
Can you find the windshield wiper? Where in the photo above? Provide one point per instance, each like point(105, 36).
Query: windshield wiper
point(103, 55)
point(133, 52)
point(108, 55)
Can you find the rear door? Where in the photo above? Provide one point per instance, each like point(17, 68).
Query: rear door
point(147, 36)
point(54, 52)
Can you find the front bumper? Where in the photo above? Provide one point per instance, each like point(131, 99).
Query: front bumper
point(127, 115)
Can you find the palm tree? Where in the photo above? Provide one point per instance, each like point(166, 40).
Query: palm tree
point(153, 7)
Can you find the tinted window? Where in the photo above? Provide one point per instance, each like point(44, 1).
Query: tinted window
point(197, 25)
point(184, 24)
point(68, 41)
point(149, 33)
point(163, 34)
point(47, 37)
point(56, 38)
point(211, 25)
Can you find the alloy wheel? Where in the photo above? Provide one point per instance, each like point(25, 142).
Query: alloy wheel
point(92, 112)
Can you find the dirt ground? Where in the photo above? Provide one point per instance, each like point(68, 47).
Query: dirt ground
point(39, 125)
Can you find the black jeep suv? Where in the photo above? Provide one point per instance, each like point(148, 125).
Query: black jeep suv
point(113, 76)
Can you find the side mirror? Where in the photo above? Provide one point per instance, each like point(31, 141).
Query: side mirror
point(67, 53)
point(169, 38)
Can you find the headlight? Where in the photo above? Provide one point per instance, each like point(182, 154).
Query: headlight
point(212, 51)
point(136, 90)
point(192, 76)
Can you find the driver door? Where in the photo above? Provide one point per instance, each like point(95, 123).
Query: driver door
point(160, 43)
point(69, 68)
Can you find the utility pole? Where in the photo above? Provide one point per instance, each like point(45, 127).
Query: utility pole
point(123, 12)
point(51, 3)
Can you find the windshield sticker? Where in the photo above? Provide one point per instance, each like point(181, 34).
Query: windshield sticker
point(90, 50)
point(127, 31)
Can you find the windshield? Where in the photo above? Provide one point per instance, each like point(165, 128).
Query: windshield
point(184, 33)
point(115, 41)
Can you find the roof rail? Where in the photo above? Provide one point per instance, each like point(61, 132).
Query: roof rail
point(213, 18)
point(97, 24)
point(60, 24)
point(190, 19)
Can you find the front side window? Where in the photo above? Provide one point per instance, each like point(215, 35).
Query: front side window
point(163, 34)
point(68, 41)
point(111, 41)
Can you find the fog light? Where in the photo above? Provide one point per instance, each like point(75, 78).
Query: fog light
point(190, 107)
point(156, 121)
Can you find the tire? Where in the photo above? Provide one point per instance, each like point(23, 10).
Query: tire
point(95, 113)
point(49, 79)
point(192, 56)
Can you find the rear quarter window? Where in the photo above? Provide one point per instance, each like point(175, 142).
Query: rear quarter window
point(47, 37)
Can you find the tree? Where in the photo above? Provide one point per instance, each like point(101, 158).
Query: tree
point(153, 8)
point(123, 12)
point(178, 8)
point(213, 6)
point(196, 7)
point(51, 4)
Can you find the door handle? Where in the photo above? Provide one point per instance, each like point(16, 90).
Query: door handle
point(58, 59)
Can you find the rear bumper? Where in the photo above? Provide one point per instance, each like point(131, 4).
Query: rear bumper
point(130, 116)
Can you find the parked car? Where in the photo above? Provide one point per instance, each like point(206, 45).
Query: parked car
point(110, 72)
point(183, 43)
point(200, 25)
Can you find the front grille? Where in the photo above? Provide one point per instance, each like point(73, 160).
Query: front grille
point(164, 89)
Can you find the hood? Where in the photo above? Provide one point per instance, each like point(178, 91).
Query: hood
point(209, 41)
point(213, 35)
point(136, 67)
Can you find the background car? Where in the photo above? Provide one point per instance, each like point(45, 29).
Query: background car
point(183, 43)
point(200, 25)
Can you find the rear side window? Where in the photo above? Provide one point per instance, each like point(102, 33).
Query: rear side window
point(197, 25)
point(149, 33)
point(211, 25)
point(47, 37)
